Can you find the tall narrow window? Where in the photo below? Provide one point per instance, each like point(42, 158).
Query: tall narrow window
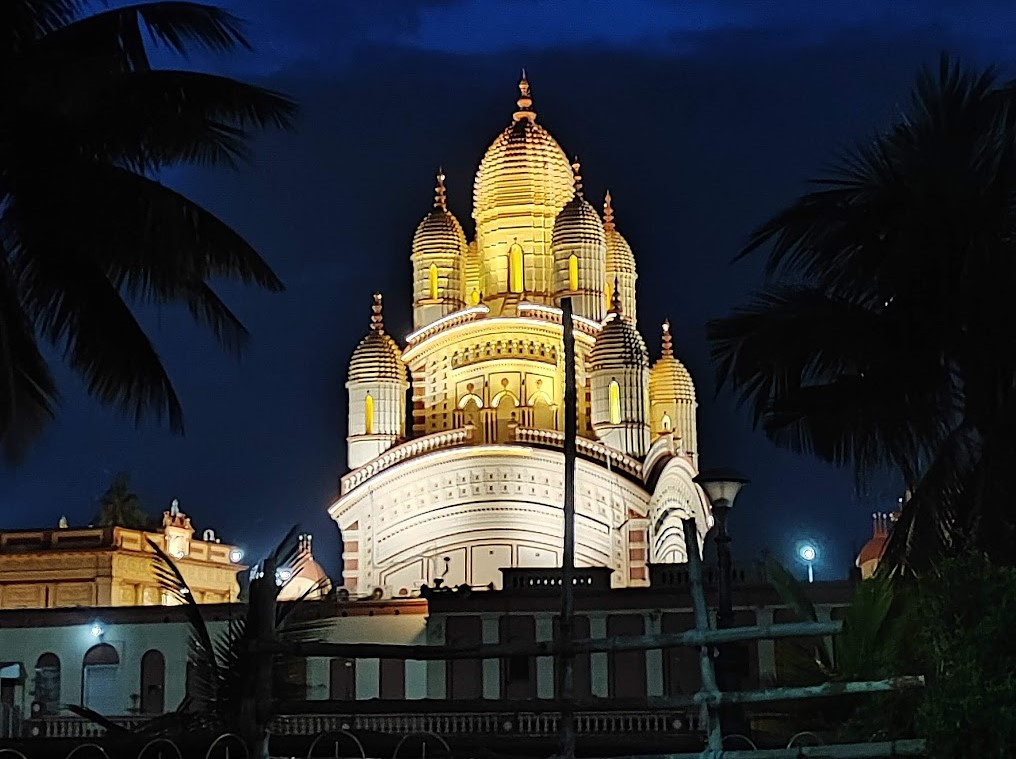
point(515, 278)
point(433, 281)
point(608, 293)
point(153, 682)
point(47, 683)
point(99, 680)
point(667, 424)
point(368, 414)
point(573, 272)
point(615, 402)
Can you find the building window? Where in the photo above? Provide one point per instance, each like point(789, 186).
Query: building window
point(47, 683)
point(573, 272)
point(615, 402)
point(667, 424)
point(368, 414)
point(515, 273)
point(432, 277)
point(342, 680)
point(99, 690)
point(393, 679)
point(474, 297)
point(153, 682)
point(608, 294)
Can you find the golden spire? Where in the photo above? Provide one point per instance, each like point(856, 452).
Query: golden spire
point(668, 346)
point(577, 171)
point(615, 299)
point(608, 213)
point(440, 195)
point(525, 101)
point(377, 322)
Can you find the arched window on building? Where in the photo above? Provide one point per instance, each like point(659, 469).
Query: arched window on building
point(99, 690)
point(665, 423)
point(432, 279)
point(573, 272)
point(47, 683)
point(615, 402)
point(368, 414)
point(516, 278)
point(474, 297)
point(153, 682)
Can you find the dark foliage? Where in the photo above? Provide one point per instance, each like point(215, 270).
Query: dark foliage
point(86, 229)
point(880, 338)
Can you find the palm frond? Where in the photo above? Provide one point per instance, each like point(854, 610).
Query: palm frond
point(172, 581)
point(28, 394)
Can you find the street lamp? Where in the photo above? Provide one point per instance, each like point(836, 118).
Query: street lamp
point(721, 486)
point(808, 554)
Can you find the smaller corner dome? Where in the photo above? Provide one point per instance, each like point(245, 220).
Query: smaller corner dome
point(619, 345)
point(440, 231)
point(578, 222)
point(669, 378)
point(378, 356)
point(620, 257)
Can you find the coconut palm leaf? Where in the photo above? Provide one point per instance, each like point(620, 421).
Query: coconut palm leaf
point(111, 727)
point(172, 581)
point(809, 659)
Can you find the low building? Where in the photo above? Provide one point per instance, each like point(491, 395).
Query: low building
point(112, 566)
point(130, 663)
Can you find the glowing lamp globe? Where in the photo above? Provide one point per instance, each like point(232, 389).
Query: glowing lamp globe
point(721, 485)
point(808, 552)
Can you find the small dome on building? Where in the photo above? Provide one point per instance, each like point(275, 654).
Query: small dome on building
point(578, 223)
point(619, 345)
point(669, 378)
point(524, 165)
point(620, 258)
point(305, 579)
point(871, 553)
point(377, 356)
point(440, 231)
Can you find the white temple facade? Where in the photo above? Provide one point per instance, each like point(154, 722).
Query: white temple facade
point(474, 482)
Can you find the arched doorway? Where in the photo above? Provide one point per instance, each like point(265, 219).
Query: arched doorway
point(153, 682)
point(99, 691)
point(506, 407)
point(47, 683)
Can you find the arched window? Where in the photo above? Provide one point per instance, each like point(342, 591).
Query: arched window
point(573, 272)
point(516, 279)
point(432, 277)
point(153, 682)
point(368, 414)
point(47, 683)
point(666, 423)
point(99, 690)
point(474, 298)
point(615, 402)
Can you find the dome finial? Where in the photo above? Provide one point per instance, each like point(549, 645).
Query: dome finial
point(615, 299)
point(608, 212)
point(377, 322)
point(525, 101)
point(668, 345)
point(577, 171)
point(440, 194)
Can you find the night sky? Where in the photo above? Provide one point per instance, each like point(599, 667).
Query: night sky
point(702, 117)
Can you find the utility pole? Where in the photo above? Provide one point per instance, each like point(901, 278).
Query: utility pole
point(566, 672)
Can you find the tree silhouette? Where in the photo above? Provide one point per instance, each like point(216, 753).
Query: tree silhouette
point(881, 337)
point(119, 506)
point(89, 232)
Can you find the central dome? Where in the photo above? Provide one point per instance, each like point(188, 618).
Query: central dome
point(523, 182)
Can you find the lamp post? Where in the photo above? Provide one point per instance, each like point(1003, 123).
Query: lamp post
point(721, 486)
point(808, 554)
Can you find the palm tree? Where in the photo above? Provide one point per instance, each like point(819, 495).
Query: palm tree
point(88, 231)
point(230, 682)
point(119, 506)
point(882, 335)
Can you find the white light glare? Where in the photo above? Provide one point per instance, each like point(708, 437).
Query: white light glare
point(235, 555)
point(97, 630)
point(808, 552)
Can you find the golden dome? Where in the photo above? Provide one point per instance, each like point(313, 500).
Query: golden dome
point(378, 356)
point(620, 258)
point(619, 345)
point(440, 231)
point(523, 166)
point(669, 379)
point(578, 223)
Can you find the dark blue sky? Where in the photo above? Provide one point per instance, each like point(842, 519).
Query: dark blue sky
point(701, 117)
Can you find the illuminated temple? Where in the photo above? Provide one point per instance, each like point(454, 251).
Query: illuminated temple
point(469, 479)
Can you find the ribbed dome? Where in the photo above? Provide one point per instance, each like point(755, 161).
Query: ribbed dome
point(440, 231)
point(619, 345)
point(620, 258)
point(523, 166)
point(669, 378)
point(578, 223)
point(378, 356)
